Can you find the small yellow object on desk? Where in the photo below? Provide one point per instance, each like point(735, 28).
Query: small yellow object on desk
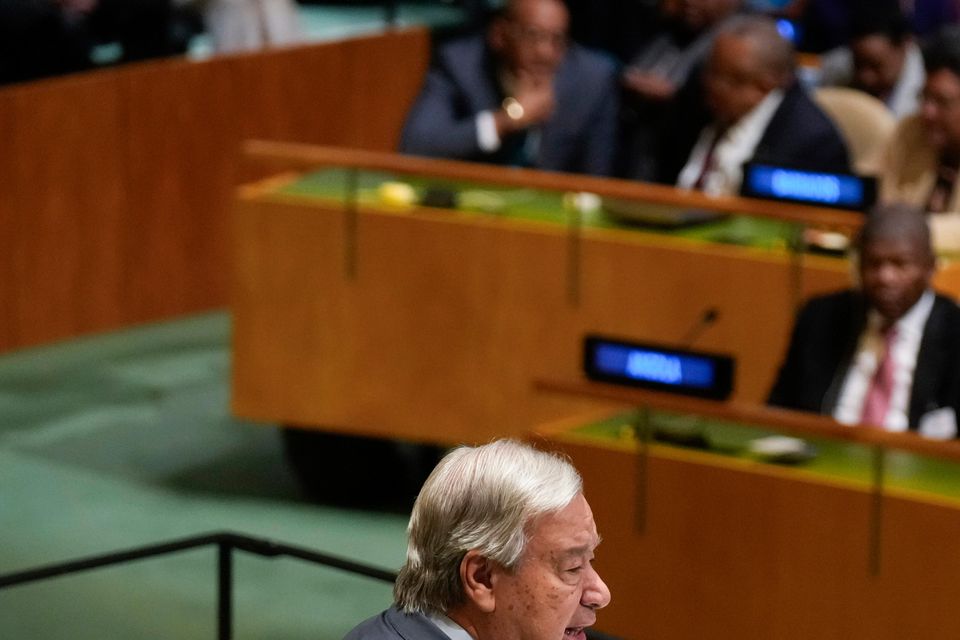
point(397, 194)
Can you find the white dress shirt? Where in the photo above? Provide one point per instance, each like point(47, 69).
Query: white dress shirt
point(453, 630)
point(487, 137)
point(736, 146)
point(870, 351)
point(486, 125)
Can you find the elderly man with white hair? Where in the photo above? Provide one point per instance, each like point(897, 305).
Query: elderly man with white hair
point(756, 111)
point(501, 546)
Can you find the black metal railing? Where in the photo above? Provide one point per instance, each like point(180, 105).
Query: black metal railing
point(226, 542)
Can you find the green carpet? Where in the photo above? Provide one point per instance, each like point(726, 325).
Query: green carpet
point(125, 439)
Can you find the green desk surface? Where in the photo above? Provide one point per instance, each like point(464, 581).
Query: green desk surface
point(834, 460)
point(542, 206)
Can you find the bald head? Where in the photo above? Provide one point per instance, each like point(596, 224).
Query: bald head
point(530, 36)
point(774, 53)
point(518, 9)
point(896, 259)
point(894, 220)
point(749, 59)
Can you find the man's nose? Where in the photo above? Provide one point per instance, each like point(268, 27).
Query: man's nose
point(886, 273)
point(928, 109)
point(596, 595)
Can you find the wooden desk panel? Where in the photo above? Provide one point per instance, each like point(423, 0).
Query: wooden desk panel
point(433, 340)
point(451, 316)
point(61, 208)
point(648, 288)
point(736, 549)
point(118, 183)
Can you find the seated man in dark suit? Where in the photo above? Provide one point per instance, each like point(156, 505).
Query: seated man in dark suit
point(522, 96)
point(887, 355)
point(756, 110)
point(501, 542)
point(656, 68)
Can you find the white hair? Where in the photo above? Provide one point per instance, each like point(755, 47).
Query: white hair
point(775, 53)
point(478, 498)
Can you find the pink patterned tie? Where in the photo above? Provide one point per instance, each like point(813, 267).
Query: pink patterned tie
point(877, 400)
point(709, 159)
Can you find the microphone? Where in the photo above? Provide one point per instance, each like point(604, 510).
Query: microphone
point(704, 322)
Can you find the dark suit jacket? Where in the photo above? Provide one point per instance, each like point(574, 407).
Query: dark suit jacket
point(393, 625)
point(580, 136)
point(799, 135)
point(825, 339)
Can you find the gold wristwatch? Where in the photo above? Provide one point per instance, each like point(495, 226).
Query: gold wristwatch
point(513, 108)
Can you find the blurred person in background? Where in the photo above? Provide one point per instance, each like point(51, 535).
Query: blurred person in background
point(658, 67)
point(882, 60)
point(923, 158)
point(756, 110)
point(519, 95)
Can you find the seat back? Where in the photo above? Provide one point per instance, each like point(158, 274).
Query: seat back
point(864, 122)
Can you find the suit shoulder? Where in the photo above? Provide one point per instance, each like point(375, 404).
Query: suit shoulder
point(465, 52)
point(949, 309)
point(801, 112)
point(947, 303)
point(837, 303)
point(393, 624)
point(378, 627)
point(798, 99)
point(591, 62)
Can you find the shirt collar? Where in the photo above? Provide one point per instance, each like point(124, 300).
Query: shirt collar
point(450, 628)
point(912, 321)
point(759, 117)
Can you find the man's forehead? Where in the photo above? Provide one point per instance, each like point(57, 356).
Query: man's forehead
point(571, 528)
point(906, 246)
point(733, 51)
point(536, 11)
point(579, 550)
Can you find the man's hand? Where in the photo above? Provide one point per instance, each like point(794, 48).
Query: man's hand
point(648, 85)
point(535, 97)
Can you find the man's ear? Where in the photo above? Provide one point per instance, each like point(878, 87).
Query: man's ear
point(476, 576)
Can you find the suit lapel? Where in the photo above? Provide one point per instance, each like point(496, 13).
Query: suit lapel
point(414, 626)
point(923, 395)
point(857, 320)
point(550, 147)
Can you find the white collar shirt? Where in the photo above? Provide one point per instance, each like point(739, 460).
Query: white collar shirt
point(736, 145)
point(904, 98)
point(870, 349)
point(452, 630)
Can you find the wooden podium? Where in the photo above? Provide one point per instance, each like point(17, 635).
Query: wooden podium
point(359, 317)
point(859, 543)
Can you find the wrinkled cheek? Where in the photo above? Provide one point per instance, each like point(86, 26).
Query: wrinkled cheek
point(562, 601)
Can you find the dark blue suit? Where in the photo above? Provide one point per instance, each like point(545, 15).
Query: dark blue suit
point(395, 625)
point(825, 339)
point(799, 135)
point(580, 135)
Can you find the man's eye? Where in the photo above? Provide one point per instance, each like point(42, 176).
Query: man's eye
point(575, 569)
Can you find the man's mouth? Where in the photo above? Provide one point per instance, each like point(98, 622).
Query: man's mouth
point(574, 633)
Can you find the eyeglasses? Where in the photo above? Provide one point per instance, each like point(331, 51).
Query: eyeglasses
point(536, 37)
